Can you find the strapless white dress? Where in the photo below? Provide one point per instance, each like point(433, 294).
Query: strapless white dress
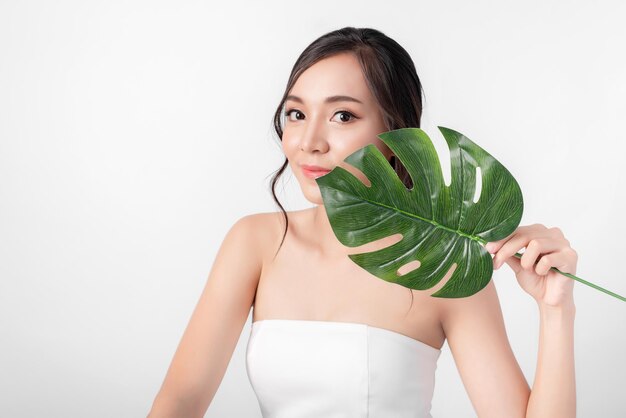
point(328, 369)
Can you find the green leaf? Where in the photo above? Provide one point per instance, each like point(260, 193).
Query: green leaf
point(440, 225)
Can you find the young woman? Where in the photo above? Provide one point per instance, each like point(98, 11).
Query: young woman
point(328, 338)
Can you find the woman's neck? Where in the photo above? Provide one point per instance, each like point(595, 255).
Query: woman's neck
point(328, 244)
point(324, 234)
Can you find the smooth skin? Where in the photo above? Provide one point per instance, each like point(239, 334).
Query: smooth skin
point(312, 277)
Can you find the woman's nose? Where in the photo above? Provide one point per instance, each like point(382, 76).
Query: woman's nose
point(314, 137)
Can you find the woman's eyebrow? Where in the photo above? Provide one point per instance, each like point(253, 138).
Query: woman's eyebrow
point(330, 99)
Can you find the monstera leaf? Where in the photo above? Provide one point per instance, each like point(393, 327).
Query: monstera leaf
point(440, 225)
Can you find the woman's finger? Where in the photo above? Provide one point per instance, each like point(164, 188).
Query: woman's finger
point(513, 245)
point(494, 246)
point(538, 246)
point(564, 260)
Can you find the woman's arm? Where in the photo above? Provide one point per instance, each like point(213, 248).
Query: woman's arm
point(476, 335)
point(554, 388)
point(475, 332)
point(211, 336)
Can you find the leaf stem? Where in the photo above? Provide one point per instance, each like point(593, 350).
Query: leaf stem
point(578, 279)
point(571, 276)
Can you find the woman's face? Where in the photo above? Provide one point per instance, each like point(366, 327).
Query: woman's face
point(322, 129)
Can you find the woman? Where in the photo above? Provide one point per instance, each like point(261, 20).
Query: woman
point(330, 339)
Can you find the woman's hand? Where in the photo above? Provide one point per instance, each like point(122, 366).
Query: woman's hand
point(545, 248)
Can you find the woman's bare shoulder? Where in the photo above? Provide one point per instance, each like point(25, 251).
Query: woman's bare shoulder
point(267, 229)
point(274, 222)
point(266, 221)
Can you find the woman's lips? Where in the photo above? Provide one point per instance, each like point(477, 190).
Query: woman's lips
point(313, 174)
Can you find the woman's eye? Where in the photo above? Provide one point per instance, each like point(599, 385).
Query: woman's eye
point(348, 116)
point(290, 111)
point(344, 117)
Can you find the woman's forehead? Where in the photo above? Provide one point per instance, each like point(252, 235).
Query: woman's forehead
point(329, 79)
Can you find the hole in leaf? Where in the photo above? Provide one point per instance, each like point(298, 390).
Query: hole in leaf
point(378, 244)
point(479, 184)
point(443, 154)
point(403, 174)
point(444, 279)
point(409, 267)
point(357, 173)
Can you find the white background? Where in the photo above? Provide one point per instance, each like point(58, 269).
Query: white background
point(134, 134)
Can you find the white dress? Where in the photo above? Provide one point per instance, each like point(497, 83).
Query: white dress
point(307, 368)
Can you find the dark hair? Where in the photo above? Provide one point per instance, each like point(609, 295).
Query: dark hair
point(390, 75)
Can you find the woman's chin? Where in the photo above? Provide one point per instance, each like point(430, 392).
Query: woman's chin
point(314, 197)
point(317, 201)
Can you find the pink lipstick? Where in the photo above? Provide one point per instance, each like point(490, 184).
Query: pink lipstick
point(313, 171)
